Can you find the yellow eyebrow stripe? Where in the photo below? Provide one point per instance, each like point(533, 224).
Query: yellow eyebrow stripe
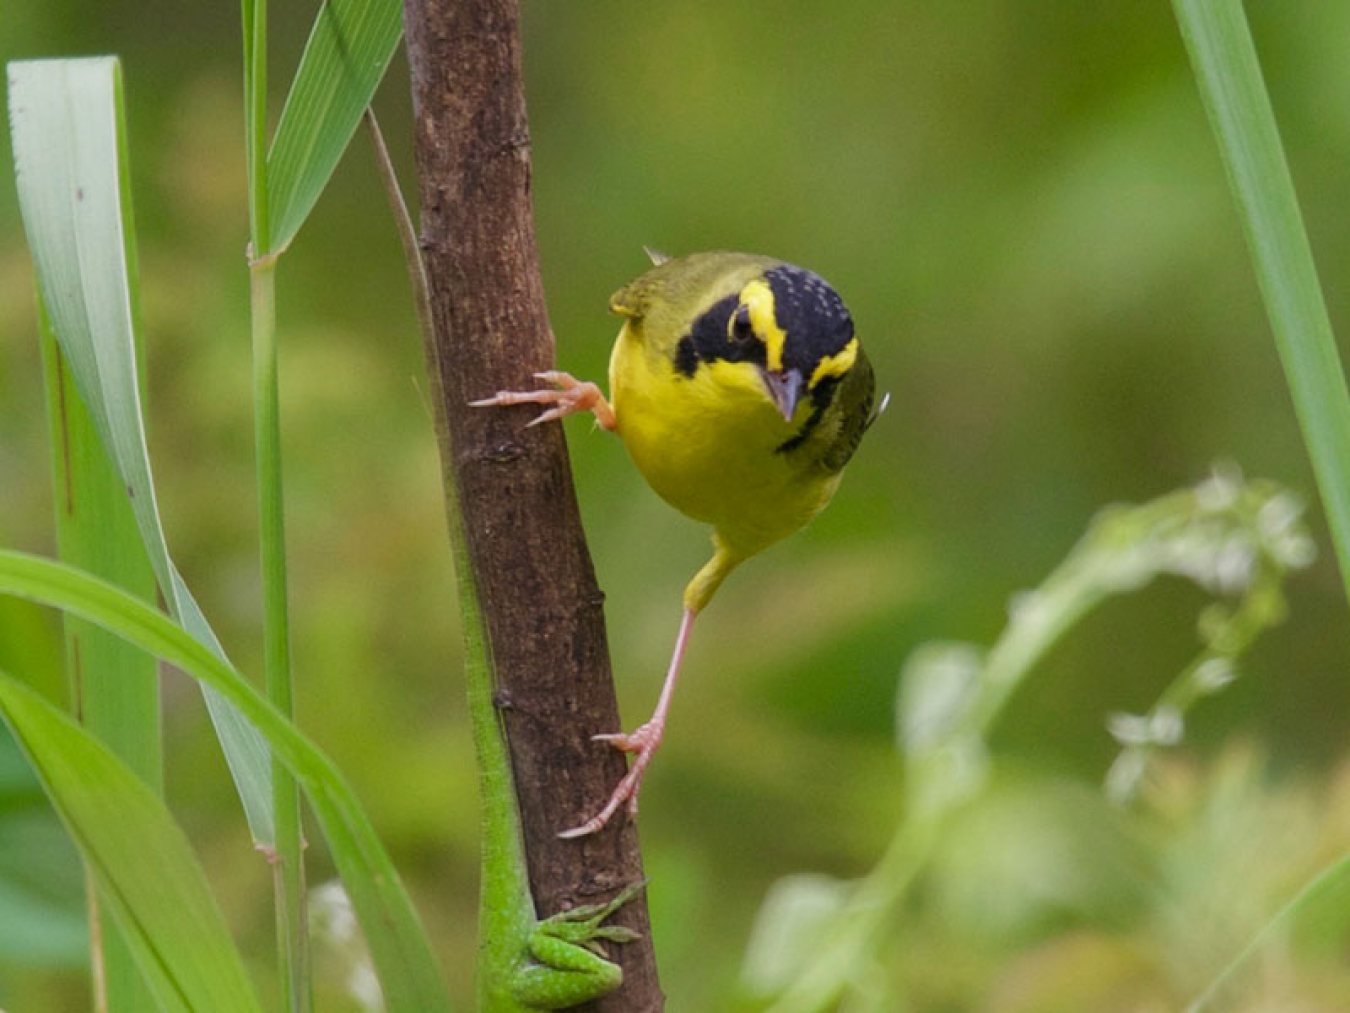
point(837, 364)
point(757, 297)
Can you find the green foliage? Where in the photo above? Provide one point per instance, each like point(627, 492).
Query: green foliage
point(408, 972)
point(349, 48)
point(162, 904)
point(74, 188)
point(42, 907)
point(69, 142)
point(42, 904)
point(1237, 541)
point(1229, 76)
point(113, 687)
point(344, 61)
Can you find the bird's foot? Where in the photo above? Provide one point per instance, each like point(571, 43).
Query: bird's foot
point(567, 396)
point(643, 744)
point(644, 740)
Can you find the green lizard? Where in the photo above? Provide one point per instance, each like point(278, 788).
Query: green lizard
point(524, 963)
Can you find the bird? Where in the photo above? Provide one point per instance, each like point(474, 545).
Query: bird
point(740, 391)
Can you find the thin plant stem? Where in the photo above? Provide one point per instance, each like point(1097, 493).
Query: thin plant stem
point(1333, 877)
point(287, 854)
point(871, 909)
point(98, 967)
point(287, 859)
point(407, 233)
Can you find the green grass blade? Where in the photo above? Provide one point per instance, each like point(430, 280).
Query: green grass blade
point(42, 905)
point(64, 117)
point(398, 946)
point(1329, 886)
point(114, 688)
point(1231, 85)
point(1234, 93)
point(42, 886)
point(148, 878)
point(348, 50)
point(69, 152)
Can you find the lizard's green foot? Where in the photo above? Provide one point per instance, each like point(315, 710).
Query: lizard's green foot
point(567, 964)
point(582, 924)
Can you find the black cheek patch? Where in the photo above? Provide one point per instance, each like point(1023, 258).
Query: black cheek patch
point(708, 341)
point(686, 356)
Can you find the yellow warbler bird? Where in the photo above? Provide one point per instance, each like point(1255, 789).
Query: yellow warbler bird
point(740, 390)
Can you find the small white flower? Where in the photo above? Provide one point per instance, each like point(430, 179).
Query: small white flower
point(1235, 565)
point(1214, 674)
point(330, 909)
point(1278, 514)
point(1166, 726)
point(363, 985)
point(1294, 549)
point(1130, 729)
point(1220, 490)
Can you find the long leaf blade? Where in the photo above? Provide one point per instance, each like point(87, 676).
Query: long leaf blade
point(1229, 77)
point(403, 960)
point(148, 877)
point(1228, 73)
point(69, 153)
point(348, 50)
point(114, 688)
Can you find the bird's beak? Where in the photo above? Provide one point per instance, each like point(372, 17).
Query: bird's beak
point(785, 388)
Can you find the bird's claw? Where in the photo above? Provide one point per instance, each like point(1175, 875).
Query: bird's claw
point(567, 396)
point(643, 739)
point(644, 743)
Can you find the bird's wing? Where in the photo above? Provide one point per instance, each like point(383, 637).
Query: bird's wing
point(854, 401)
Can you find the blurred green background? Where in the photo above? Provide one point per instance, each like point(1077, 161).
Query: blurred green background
point(1022, 205)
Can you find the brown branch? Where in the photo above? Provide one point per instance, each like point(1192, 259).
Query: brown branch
point(536, 583)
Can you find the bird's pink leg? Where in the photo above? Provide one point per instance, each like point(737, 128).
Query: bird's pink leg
point(643, 743)
point(568, 395)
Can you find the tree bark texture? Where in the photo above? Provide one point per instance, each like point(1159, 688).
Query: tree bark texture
point(535, 579)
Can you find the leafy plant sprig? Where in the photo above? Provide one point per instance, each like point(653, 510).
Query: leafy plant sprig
point(1237, 540)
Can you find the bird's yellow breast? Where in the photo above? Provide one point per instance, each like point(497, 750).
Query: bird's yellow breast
point(708, 443)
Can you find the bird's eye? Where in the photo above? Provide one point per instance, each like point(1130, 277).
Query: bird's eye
point(741, 330)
